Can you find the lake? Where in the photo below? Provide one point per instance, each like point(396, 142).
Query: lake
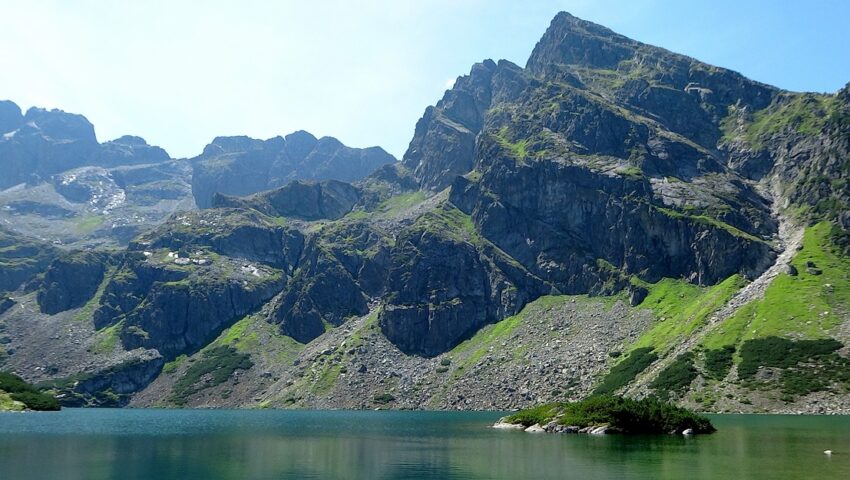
point(263, 444)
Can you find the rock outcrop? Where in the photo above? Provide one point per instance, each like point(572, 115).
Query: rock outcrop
point(239, 166)
point(329, 199)
point(601, 168)
point(44, 142)
point(21, 258)
point(70, 281)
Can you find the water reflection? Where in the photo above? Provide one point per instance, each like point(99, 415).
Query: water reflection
point(162, 444)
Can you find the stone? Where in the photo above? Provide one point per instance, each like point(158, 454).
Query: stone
point(536, 428)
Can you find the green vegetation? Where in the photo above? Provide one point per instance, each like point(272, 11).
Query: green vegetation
point(86, 312)
point(172, 366)
point(622, 415)
point(676, 377)
point(518, 149)
point(781, 353)
point(682, 308)
point(106, 339)
point(802, 113)
point(383, 398)
point(7, 404)
point(217, 363)
point(718, 361)
point(14, 389)
point(541, 414)
point(807, 365)
point(822, 373)
point(87, 224)
point(808, 305)
point(711, 221)
point(449, 222)
point(631, 172)
point(626, 371)
point(399, 203)
point(252, 334)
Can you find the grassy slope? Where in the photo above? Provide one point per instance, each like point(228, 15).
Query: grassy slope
point(7, 404)
point(251, 336)
point(805, 306)
point(681, 308)
point(802, 306)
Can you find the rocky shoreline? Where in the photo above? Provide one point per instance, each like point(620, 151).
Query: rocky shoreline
point(555, 427)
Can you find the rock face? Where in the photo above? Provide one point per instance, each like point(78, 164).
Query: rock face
point(601, 167)
point(582, 177)
point(44, 142)
point(443, 143)
point(330, 199)
point(242, 165)
point(113, 386)
point(21, 258)
point(70, 281)
point(445, 284)
point(5, 304)
point(129, 150)
point(178, 287)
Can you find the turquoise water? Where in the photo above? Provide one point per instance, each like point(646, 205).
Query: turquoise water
point(217, 444)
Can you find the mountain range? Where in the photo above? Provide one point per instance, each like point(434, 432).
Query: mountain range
point(612, 217)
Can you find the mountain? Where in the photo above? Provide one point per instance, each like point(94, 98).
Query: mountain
point(64, 187)
point(242, 165)
point(45, 142)
point(612, 217)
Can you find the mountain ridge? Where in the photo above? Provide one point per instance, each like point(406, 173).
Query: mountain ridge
point(549, 230)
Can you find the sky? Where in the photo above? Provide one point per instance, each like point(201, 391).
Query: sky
point(180, 73)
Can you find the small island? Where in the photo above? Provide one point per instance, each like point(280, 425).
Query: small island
point(608, 414)
point(17, 395)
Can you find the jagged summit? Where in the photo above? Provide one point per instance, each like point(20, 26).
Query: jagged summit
point(60, 125)
point(241, 165)
point(571, 40)
point(705, 212)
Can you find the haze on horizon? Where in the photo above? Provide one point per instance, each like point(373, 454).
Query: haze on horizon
point(179, 73)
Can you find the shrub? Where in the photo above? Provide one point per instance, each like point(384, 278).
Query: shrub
point(625, 371)
point(14, 384)
point(384, 398)
point(37, 400)
point(27, 394)
point(718, 361)
point(220, 362)
point(677, 377)
point(781, 353)
point(541, 414)
point(624, 415)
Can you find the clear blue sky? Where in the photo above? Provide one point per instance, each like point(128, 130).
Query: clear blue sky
point(179, 73)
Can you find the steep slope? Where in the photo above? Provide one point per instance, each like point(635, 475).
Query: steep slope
point(613, 217)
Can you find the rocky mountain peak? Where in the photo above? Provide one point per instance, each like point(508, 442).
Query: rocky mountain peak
point(129, 150)
point(572, 41)
point(242, 165)
point(10, 116)
point(300, 143)
point(61, 125)
point(233, 144)
point(130, 141)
